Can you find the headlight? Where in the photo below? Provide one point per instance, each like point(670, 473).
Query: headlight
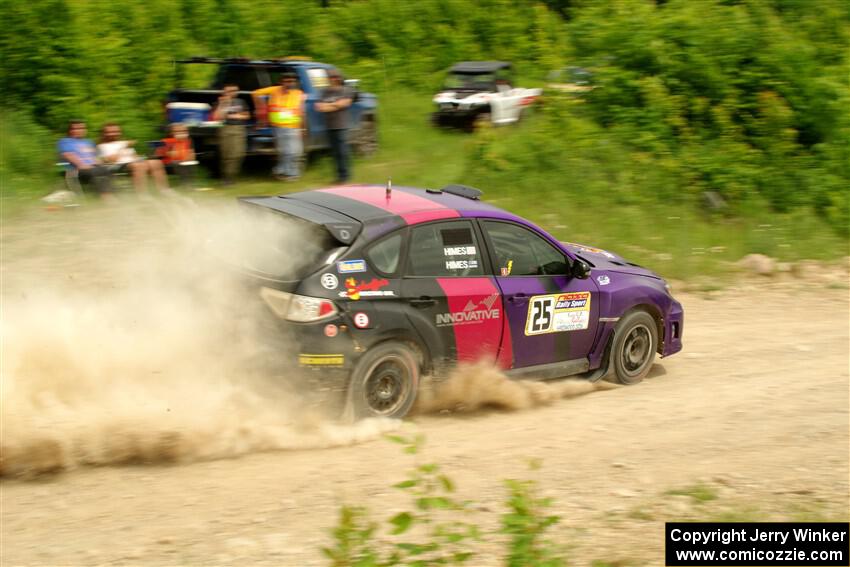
point(669, 289)
point(297, 308)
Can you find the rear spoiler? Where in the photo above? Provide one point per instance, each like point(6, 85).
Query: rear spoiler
point(343, 228)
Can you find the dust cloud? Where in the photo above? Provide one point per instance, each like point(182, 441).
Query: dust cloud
point(473, 387)
point(152, 352)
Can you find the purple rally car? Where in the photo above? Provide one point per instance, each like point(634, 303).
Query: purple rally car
point(406, 281)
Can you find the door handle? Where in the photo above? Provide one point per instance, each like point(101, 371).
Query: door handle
point(518, 298)
point(423, 301)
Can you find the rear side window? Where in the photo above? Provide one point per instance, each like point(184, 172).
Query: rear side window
point(244, 76)
point(385, 254)
point(445, 249)
point(520, 252)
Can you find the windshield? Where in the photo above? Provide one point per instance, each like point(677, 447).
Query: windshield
point(468, 82)
point(274, 245)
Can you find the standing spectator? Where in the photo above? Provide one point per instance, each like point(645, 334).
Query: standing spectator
point(80, 154)
point(119, 155)
point(232, 137)
point(285, 111)
point(178, 155)
point(334, 104)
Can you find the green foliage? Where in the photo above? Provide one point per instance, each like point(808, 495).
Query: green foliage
point(744, 98)
point(352, 536)
point(526, 524)
point(440, 529)
point(741, 99)
point(698, 492)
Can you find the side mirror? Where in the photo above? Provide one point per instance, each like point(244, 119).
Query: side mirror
point(580, 270)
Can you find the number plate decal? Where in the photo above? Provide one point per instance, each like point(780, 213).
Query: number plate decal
point(557, 313)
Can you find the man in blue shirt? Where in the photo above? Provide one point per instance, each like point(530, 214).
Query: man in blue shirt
point(81, 156)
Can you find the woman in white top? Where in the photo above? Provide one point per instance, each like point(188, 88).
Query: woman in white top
point(119, 155)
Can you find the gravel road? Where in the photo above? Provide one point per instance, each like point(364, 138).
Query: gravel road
point(754, 411)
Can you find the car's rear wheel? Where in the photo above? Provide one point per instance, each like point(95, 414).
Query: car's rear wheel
point(633, 350)
point(384, 382)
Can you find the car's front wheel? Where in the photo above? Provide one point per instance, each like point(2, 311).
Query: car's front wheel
point(633, 350)
point(384, 382)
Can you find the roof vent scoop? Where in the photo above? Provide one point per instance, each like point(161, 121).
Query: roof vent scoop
point(463, 191)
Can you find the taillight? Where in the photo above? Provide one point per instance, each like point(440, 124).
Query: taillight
point(297, 308)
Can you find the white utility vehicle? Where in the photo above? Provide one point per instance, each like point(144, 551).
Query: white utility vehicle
point(478, 92)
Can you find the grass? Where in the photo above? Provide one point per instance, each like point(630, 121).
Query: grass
point(674, 239)
point(700, 493)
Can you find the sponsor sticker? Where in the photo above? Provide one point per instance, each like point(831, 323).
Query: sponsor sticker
point(459, 250)
point(591, 250)
point(603, 280)
point(329, 281)
point(461, 264)
point(558, 312)
point(472, 313)
point(321, 359)
point(351, 266)
point(506, 270)
point(361, 320)
point(354, 290)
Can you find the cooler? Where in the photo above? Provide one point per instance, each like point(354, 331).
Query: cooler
point(191, 113)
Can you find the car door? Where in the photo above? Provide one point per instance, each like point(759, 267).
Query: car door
point(314, 81)
point(455, 304)
point(553, 316)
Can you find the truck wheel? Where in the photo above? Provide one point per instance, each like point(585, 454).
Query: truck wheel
point(633, 350)
point(480, 121)
point(384, 382)
point(364, 140)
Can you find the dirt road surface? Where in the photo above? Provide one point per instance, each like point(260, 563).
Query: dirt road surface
point(754, 412)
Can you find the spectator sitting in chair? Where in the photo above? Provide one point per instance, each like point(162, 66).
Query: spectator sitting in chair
point(119, 155)
point(178, 155)
point(81, 156)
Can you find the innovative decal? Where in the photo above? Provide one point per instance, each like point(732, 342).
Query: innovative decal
point(351, 266)
point(472, 313)
point(557, 313)
point(321, 359)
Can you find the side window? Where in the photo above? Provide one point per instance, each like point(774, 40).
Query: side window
point(445, 249)
point(385, 254)
point(318, 77)
point(244, 76)
point(520, 252)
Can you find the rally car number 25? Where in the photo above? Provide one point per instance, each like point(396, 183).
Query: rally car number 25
point(407, 281)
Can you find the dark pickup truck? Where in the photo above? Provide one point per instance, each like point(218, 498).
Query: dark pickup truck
point(194, 106)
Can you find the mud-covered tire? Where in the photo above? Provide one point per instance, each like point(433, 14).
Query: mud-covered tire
point(633, 350)
point(364, 139)
point(384, 382)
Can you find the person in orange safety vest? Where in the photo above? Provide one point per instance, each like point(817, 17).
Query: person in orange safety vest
point(285, 114)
